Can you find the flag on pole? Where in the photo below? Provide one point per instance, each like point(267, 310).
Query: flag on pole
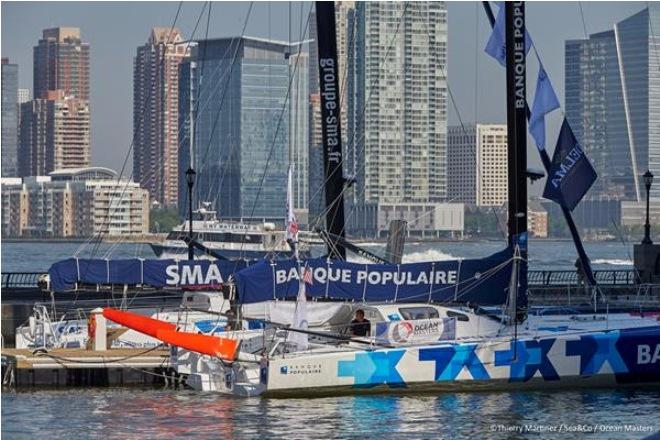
point(545, 101)
point(300, 313)
point(291, 221)
point(496, 46)
point(571, 174)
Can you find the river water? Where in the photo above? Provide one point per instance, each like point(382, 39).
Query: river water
point(139, 413)
point(38, 256)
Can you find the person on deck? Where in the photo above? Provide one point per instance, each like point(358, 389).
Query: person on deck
point(360, 326)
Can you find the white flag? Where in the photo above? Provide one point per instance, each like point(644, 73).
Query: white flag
point(300, 315)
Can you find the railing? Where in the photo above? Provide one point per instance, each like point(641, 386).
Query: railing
point(620, 277)
point(20, 279)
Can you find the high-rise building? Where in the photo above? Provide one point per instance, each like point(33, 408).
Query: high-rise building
point(397, 126)
point(156, 114)
point(9, 118)
point(23, 95)
point(241, 132)
point(61, 62)
point(477, 164)
point(613, 102)
point(54, 134)
point(79, 202)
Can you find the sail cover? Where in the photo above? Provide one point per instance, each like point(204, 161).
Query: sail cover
point(482, 281)
point(66, 274)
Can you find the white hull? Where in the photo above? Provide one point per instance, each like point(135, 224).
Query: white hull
point(590, 355)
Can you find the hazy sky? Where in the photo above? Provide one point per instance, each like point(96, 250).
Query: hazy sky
point(115, 29)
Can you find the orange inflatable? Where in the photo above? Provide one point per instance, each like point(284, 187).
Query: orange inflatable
point(224, 348)
point(142, 324)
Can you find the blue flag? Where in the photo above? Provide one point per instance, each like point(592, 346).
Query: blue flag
point(571, 174)
point(545, 101)
point(496, 46)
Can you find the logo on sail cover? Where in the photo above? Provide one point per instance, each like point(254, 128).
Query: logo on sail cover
point(402, 331)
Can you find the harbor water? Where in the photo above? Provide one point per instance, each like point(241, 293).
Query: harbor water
point(132, 413)
point(171, 414)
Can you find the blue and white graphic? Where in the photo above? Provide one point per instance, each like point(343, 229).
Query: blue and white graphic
point(450, 361)
point(595, 351)
point(373, 368)
point(526, 358)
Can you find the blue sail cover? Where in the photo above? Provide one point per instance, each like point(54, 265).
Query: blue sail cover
point(65, 274)
point(482, 281)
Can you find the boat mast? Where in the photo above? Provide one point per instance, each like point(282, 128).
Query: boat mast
point(545, 159)
point(331, 126)
point(517, 139)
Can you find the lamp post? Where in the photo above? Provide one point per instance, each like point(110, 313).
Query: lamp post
point(648, 181)
point(190, 179)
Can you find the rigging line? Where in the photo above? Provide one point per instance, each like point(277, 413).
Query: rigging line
point(120, 175)
point(224, 91)
point(153, 172)
point(352, 210)
point(277, 130)
point(131, 147)
point(128, 181)
point(91, 237)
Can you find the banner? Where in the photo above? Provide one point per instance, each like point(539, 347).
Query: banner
point(66, 274)
point(415, 331)
point(481, 281)
point(571, 174)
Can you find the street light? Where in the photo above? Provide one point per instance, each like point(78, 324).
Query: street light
point(648, 181)
point(190, 179)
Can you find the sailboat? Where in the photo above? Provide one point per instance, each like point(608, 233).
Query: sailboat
point(416, 341)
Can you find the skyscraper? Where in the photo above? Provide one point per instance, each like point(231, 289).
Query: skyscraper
point(54, 134)
point(156, 114)
point(397, 124)
point(477, 164)
point(613, 102)
point(9, 118)
point(241, 132)
point(61, 62)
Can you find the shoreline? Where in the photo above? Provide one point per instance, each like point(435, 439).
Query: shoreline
point(143, 239)
point(159, 238)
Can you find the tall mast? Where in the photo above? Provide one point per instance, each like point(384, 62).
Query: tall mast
point(331, 125)
point(517, 136)
point(545, 159)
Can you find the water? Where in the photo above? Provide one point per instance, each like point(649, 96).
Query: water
point(38, 256)
point(128, 413)
point(166, 414)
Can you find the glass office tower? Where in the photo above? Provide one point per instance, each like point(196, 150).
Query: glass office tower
point(241, 129)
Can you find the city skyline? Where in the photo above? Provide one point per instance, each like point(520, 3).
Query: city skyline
point(111, 89)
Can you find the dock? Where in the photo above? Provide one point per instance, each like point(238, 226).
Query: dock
point(67, 367)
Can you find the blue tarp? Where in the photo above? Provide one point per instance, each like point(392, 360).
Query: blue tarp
point(65, 274)
point(482, 281)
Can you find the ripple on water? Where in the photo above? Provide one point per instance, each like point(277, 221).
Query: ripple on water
point(130, 413)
